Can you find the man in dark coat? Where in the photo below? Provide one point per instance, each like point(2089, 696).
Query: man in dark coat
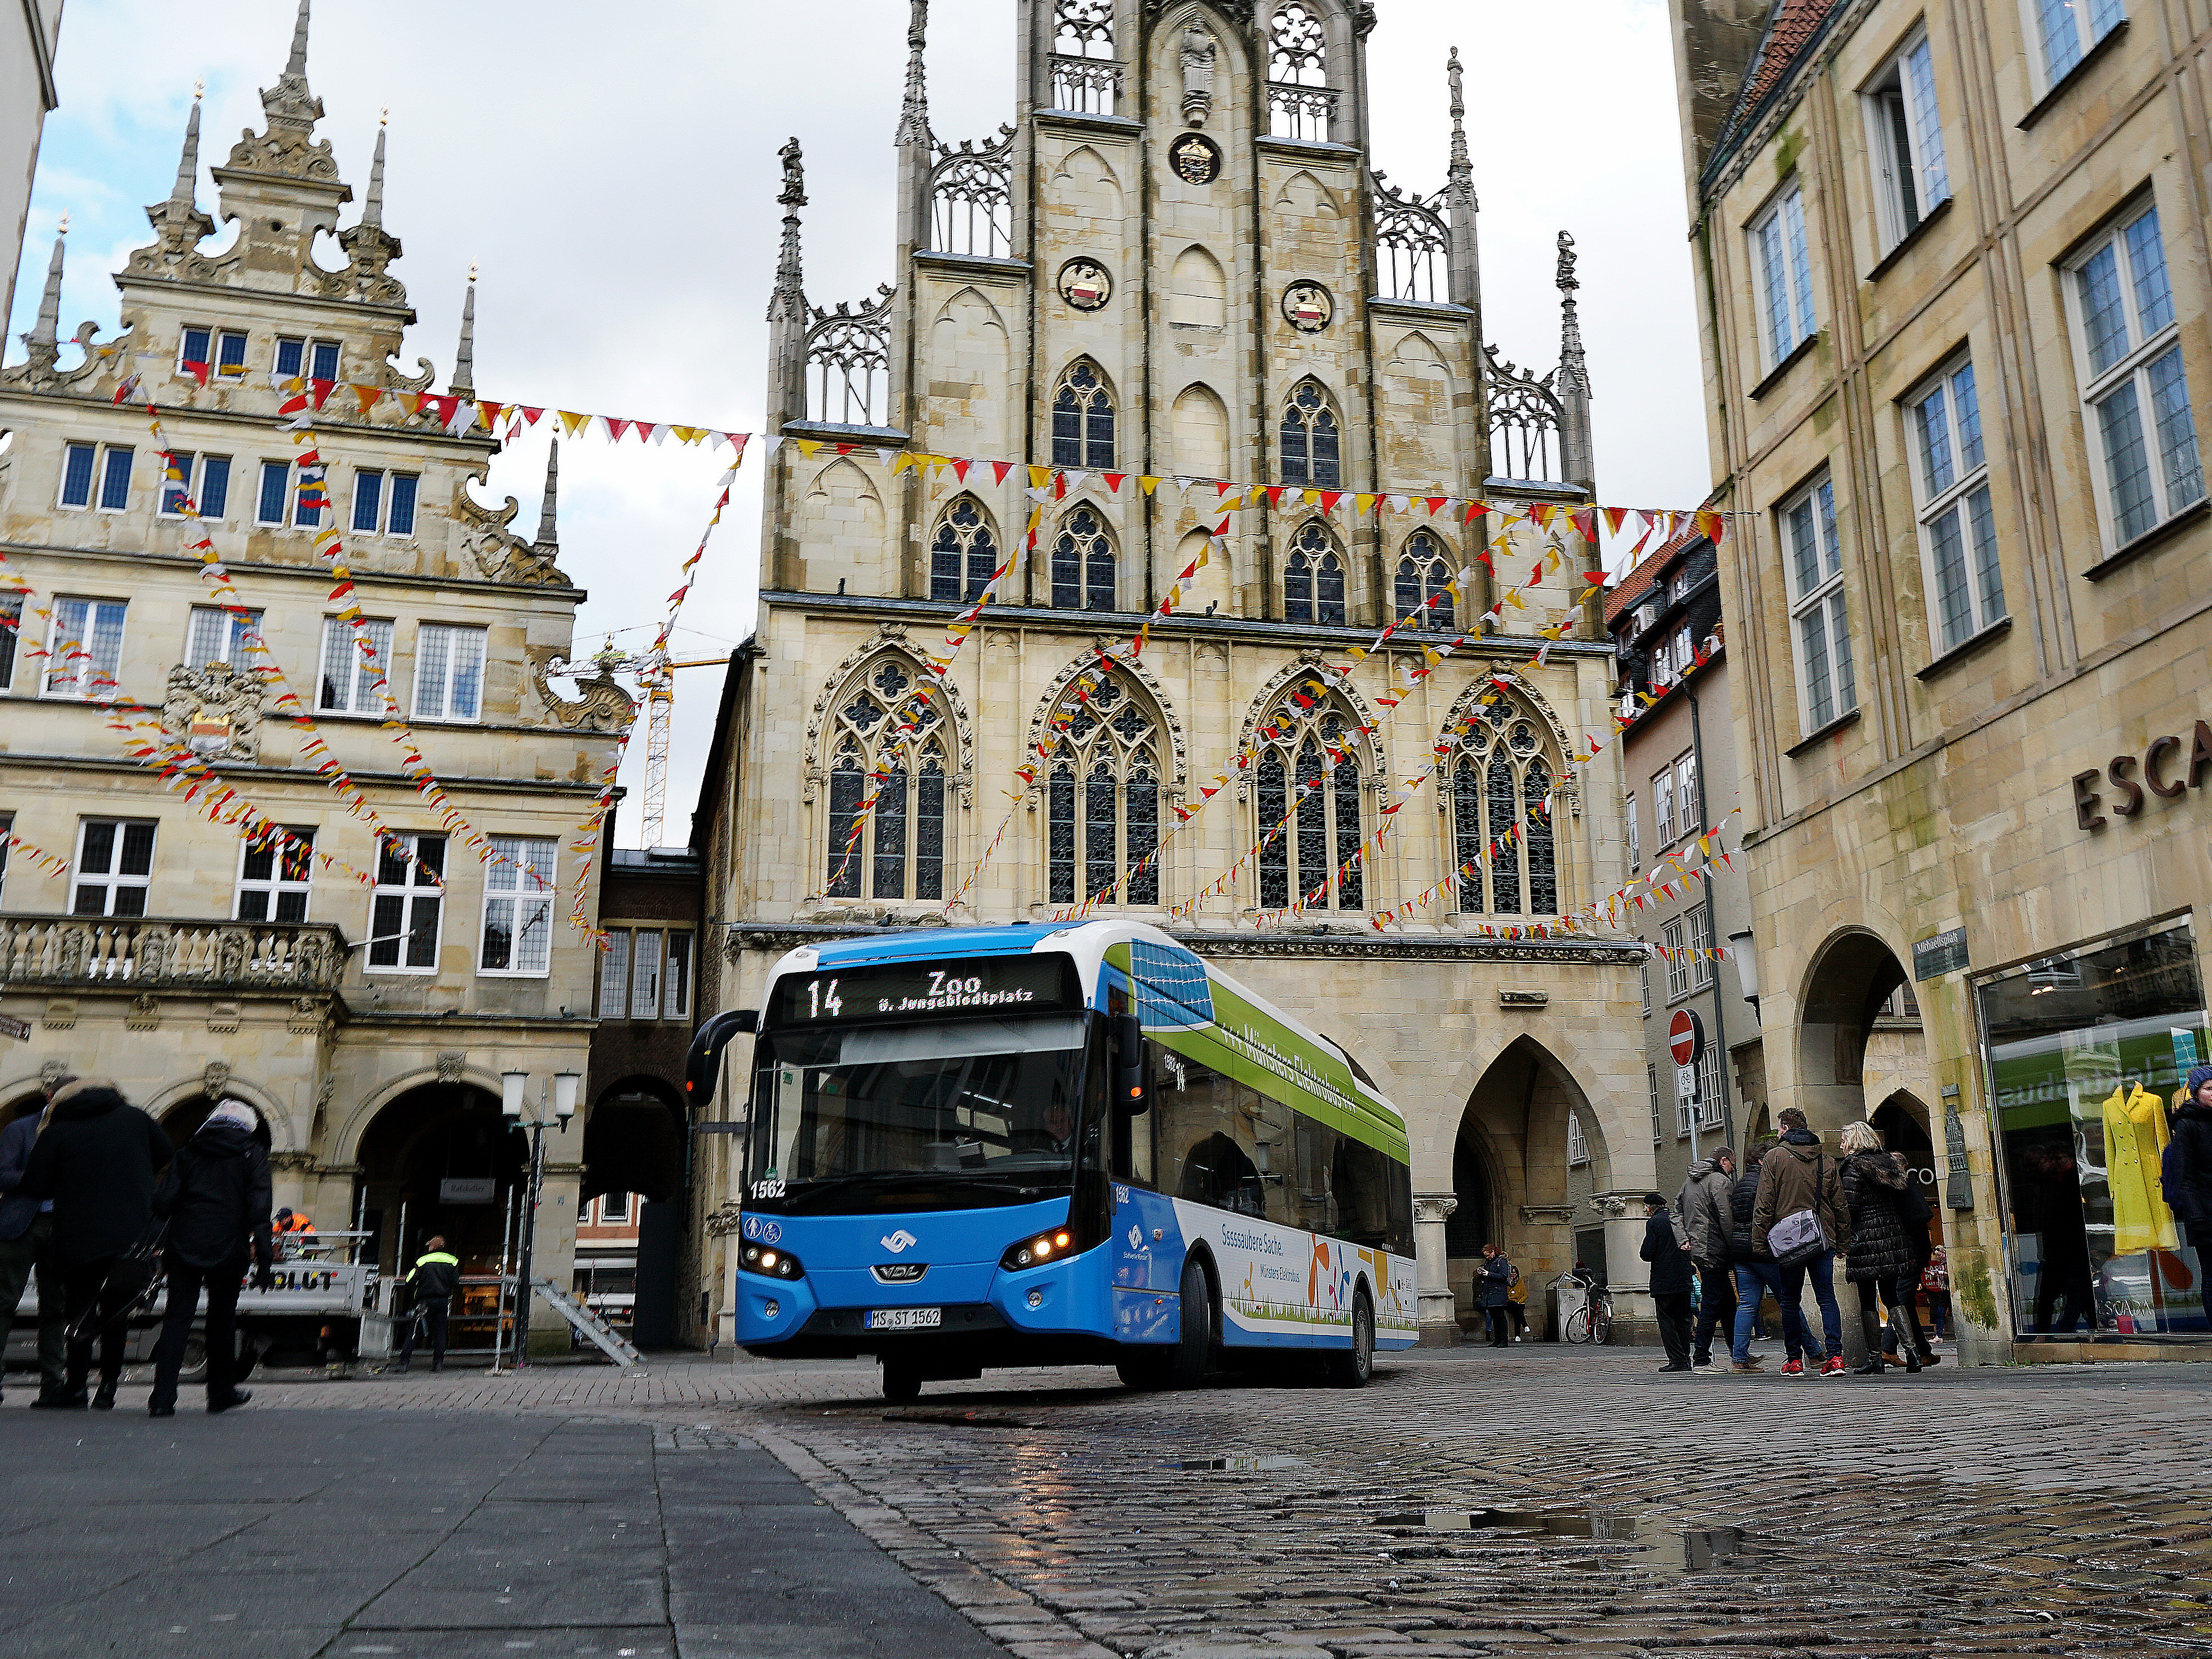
point(26, 1247)
point(435, 1278)
point(217, 1199)
point(1707, 1223)
point(2186, 1171)
point(97, 1158)
point(1673, 1271)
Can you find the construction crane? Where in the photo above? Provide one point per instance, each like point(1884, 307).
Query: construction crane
point(655, 672)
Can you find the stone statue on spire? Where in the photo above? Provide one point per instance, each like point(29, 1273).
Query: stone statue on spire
point(790, 297)
point(913, 110)
point(1460, 188)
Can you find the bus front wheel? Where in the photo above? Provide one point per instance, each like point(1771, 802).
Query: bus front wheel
point(1352, 1368)
point(902, 1381)
point(1193, 1350)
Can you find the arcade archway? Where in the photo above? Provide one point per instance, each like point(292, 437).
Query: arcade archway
point(1852, 979)
point(441, 1158)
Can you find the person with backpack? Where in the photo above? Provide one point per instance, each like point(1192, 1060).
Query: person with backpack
point(1516, 1303)
point(434, 1279)
point(216, 1197)
point(1494, 1283)
point(1756, 1275)
point(1706, 1222)
point(1801, 1195)
point(1881, 1260)
point(97, 1158)
point(1671, 1278)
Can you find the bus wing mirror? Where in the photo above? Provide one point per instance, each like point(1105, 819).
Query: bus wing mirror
point(1129, 1096)
point(702, 1067)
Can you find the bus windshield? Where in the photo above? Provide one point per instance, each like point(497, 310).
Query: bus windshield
point(985, 1110)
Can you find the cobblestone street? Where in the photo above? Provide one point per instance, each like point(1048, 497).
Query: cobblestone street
point(1478, 1503)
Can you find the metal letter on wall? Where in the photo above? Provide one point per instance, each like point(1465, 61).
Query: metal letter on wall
point(1959, 1192)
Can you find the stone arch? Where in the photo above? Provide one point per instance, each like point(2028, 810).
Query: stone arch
point(1198, 432)
point(1309, 667)
point(417, 1133)
point(1519, 692)
point(1198, 290)
point(841, 514)
point(633, 1140)
point(181, 1105)
point(1304, 197)
point(1084, 168)
point(889, 640)
point(345, 1142)
point(1847, 980)
point(1138, 669)
point(1419, 405)
point(1216, 584)
point(971, 359)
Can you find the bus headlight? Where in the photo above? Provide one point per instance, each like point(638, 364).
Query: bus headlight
point(768, 1260)
point(1036, 1252)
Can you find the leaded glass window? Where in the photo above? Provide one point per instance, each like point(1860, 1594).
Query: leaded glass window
point(887, 723)
point(1083, 419)
point(1313, 577)
point(1500, 777)
point(1309, 439)
point(963, 554)
point(1082, 563)
point(1103, 800)
point(1424, 572)
point(1315, 750)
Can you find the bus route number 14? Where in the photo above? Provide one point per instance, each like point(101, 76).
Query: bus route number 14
point(823, 1000)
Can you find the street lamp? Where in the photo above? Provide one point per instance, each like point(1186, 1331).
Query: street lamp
point(513, 1085)
point(1747, 968)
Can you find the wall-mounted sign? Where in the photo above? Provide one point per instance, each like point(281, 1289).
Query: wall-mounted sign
point(2170, 767)
point(1943, 953)
point(468, 1189)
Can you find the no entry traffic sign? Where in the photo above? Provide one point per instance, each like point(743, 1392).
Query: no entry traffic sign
point(1685, 1036)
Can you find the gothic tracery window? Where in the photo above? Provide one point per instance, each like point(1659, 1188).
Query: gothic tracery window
point(962, 555)
point(1301, 104)
point(1304, 862)
point(1083, 419)
point(1500, 778)
point(901, 853)
point(1103, 800)
point(1313, 577)
point(1423, 573)
point(1082, 563)
point(1309, 439)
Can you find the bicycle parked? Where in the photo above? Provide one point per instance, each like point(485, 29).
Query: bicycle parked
point(1593, 1321)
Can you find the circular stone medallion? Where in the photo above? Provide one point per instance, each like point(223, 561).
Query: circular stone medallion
point(1196, 159)
point(1085, 284)
point(1308, 306)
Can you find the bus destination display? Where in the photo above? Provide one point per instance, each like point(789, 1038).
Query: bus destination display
point(928, 990)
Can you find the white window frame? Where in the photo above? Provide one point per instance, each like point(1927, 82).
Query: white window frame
point(308, 346)
point(414, 886)
point(1651, 1085)
point(1644, 983)
point(387, 481)
point(1686, 796)
point(1635, 837)
point(75, 688)
point(1709, 1086)
point(444, 707)
point(205, 619)
point(1662, 811)
point(2085, 32)
point(1673, 939)
point(213, 362)
point(11, 639)
point(2131, 374)
point(1781, 251)
point(113, 879)
point(360, 690)
point(519, 887)
point(1700, 938)
point(275, 887)
point(610, 1217)
point(101, 467)
point(62, 502)
point(1904, 141)
point(1951, 489)
point(1822, 600)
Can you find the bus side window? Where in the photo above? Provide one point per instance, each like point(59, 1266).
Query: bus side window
point(1273, 1151)
point(1362, 1179)
point(1316, 1198)
point(1194, 1124)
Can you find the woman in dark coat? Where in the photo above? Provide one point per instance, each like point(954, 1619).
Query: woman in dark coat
point(217, 1199)
point(1494, 1284)
point(1882, 1259)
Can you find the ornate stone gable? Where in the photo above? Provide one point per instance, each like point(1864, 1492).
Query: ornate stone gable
point(215, 712)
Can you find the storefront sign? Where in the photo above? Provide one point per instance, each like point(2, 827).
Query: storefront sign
point(1944, 953)
point(468, 1189)
point(2168, 768)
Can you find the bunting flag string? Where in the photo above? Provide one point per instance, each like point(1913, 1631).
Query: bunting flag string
point(43, 860)
point(1646, 702)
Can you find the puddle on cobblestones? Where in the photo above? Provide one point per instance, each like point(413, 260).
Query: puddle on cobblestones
point(1243, 1465)
point(1670, 1549)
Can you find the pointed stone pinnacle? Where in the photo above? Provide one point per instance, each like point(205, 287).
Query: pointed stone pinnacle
point(44, 337)
point(371, 210)
point(547, 535)
point(913, 111)
point(464, 355)
point(188, 164)
point(298, 63)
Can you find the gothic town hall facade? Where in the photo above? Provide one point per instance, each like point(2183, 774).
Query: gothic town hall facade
point(1178, 263)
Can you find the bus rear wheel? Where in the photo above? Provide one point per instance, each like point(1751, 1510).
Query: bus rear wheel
point(902, 1381)
point(1194, 1350)
point(1352, 1369)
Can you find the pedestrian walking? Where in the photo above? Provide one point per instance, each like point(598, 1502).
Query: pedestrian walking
point(1706, 1219)
point(1797, 1179)
point(1756, 1275)
point(215, 1196)
point(1496, 1285)
point(1935, 1285)
point(1672, 1275)
point(433, 1281)
point(26, 1253)
point(2186, 1168)
point(1880, 1259)
point(97, 1158)
point(1517, 1303)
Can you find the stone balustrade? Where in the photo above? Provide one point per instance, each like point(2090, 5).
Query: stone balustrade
point(87, 951)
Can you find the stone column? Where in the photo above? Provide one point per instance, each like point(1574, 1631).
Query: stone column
point(1439, 1314)
point(1635, 1320)
point(553, 1247)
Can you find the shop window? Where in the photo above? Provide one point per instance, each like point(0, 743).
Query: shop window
point(2086, 1053)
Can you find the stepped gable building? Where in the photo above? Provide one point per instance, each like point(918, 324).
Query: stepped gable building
point(370, 1024)
point(1178, 261)
point(1954, 273)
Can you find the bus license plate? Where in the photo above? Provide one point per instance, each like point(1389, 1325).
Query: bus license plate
point(905, 1319)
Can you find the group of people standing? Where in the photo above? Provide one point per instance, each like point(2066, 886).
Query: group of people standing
point(92, 1194)
point(1861, 1206)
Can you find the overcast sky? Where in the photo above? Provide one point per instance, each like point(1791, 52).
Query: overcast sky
point(612, 170)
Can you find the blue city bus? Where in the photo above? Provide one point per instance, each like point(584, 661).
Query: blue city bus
point(1035, 1145)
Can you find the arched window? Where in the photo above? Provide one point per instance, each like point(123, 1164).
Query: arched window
point(1313, 577)
point(962, 555)
point(1423, 571)
point(1309, 445)
point(1103, 800)
point(1300, 103)
point(1083, 419)
point(1304, 860)
point(1500, 779)
point(1082, 563)
point(902, 848)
